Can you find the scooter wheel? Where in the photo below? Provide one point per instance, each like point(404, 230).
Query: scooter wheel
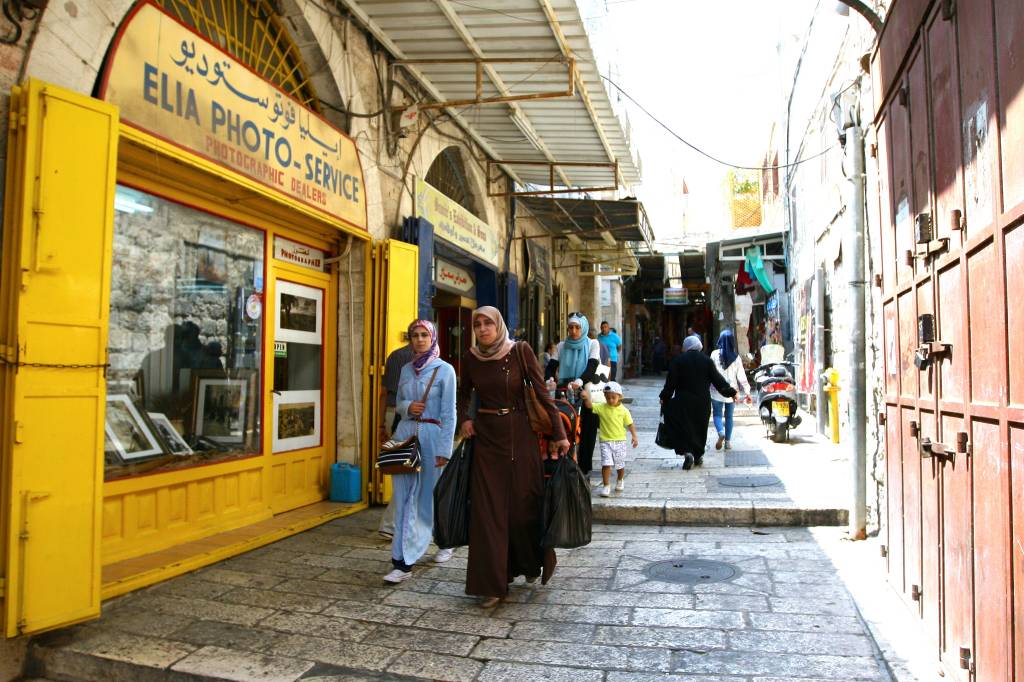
point(780, 434)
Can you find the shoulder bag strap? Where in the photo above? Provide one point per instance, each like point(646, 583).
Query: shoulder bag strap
point(522, 364)
point(429, 385)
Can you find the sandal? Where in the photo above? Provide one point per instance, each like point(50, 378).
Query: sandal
point(489, 602)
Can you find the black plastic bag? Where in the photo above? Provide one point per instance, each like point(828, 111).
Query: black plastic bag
point(568, 516)
point(451, 499)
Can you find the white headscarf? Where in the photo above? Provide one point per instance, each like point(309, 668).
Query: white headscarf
point(692, 342)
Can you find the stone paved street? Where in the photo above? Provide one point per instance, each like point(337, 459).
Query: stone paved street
point(812, 488)
point(313, 606)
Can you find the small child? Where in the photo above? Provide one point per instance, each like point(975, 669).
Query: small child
point(614, 419)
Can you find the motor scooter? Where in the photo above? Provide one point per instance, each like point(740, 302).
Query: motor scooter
point(776, 399)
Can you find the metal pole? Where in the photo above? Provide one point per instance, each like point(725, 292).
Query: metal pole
point(819, 350)
point(857, 399)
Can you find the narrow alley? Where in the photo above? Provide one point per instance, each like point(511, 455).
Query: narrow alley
point(715, 600)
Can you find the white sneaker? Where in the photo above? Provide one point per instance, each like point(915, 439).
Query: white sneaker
point(728, 445)
point(606, 491)
point(443, 555)
point(397, 576)
point(620, 485)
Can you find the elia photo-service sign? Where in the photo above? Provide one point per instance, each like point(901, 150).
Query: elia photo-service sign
point(170, 82)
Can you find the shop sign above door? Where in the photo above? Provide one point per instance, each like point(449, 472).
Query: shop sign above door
point(298, 254)
point(676, 296)
point(456, 225)
point(453, 278)
point(172, 83)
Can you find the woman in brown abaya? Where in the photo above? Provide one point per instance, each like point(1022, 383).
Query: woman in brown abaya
point(507, 479)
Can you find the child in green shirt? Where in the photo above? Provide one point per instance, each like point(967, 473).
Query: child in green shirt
point(614, 419)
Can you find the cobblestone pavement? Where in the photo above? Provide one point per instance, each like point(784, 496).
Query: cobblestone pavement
point(812, 487)
point(313, 607)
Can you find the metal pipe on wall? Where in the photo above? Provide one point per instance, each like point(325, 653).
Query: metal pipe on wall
point(857, 397)
point(819, 349)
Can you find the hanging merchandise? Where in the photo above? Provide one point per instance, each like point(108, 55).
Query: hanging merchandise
point(743, 282)
point(756, 266)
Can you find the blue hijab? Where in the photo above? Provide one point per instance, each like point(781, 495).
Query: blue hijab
point(727, 348)
point(572, 360)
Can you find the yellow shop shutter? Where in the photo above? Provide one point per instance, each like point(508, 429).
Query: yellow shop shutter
point(397, 304)
point(54, 309)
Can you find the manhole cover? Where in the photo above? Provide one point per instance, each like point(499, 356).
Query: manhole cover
point(749, 458)
point(749, 481)
point(691, 571)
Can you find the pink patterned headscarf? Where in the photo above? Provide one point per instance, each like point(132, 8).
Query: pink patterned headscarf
point(421, 360)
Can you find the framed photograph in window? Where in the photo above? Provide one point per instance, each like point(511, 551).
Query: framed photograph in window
point(176, 445)
point(296, 420)
point(129, 435)
point(221, 405)
point(300, 313)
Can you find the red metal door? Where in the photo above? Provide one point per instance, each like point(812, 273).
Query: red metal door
point(950, 130)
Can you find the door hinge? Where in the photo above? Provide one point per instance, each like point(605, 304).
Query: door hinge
point(966, 659)
point(948, 9)
point(3, 587)
point(915, 430)
point(963, 444)
point(881, 418)
point(915, 592)
point(883, 550)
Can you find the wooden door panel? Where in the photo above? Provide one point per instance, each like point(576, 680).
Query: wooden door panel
point(1016, 448)
point(902, 188)
point(886, 229)
point(978, 113)
point(907, 311)
point(953, 367)
point(985, 320)
point(931, 529)
point(1014, 264)
point(892, 353)
point(946, 140)
point(957, 564)
point(1009, 23)
point(920, 145)
point(993, 597)
point(926, 378)
point(894, 496)
point(911, 505)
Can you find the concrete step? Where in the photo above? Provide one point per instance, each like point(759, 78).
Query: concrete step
point(698, 512)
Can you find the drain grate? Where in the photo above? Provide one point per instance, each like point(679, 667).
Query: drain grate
point(691, 571)
point(764, 481)
point(749, 458)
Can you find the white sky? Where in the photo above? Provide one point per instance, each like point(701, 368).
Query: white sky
point(709, 69)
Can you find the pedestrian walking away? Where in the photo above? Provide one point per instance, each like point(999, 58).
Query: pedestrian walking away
point(507, 477)
point(389, 419)
point(727, 362)
point(609, 338)
point(614, 419)
point(578, 358)
point(686, 400)
point(426, 404)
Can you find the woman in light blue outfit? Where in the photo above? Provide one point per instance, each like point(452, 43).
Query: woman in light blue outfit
point(434, 422)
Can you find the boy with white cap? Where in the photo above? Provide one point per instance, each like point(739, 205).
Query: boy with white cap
point(613, 420)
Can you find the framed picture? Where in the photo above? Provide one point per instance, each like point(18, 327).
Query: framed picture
point(221, 406)
point(129, 435)
point(300, 313)
point(176, 445)
point(296, 420)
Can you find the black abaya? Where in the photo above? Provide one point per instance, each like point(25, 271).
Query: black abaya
point(686, 400)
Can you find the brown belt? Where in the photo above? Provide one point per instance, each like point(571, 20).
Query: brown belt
point(428, 421)
point(499, 411)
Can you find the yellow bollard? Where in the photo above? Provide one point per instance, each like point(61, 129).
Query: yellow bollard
point(831, 379)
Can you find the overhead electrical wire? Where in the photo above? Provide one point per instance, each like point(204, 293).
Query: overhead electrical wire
point(701, 151)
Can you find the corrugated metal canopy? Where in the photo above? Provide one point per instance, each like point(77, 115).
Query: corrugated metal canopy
point(573, 129)
point(609, 220)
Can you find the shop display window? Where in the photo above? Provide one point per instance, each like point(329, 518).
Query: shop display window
point(186, 331)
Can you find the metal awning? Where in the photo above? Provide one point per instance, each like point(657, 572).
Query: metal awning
point(613, 221)
point(495, 50)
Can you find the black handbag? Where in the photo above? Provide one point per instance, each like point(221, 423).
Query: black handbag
point(397, 458)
